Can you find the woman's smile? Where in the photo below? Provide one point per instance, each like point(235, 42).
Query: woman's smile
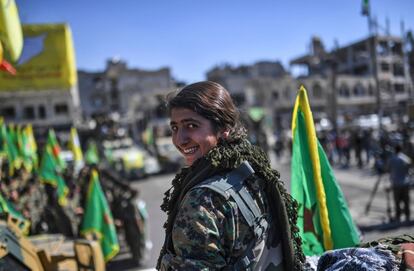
point(192, 134)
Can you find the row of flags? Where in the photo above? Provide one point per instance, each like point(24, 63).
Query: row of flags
point(18, 146)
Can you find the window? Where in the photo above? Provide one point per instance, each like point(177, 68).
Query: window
point(275, 95)
point(385, 67)
point(41, 112)
point(371, 90)
point(8, 112)
point(396, 48)
point(28, 112)
point(344, 91)
point(399, 88)
point(359, 90)
point(385, 85)
point(61, 109)
point(287, 92)
point(114, 94)
point(398, 69)
point(317, 90)
point(382, 48)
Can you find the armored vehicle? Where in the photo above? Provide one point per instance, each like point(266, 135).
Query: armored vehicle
point(45, 252)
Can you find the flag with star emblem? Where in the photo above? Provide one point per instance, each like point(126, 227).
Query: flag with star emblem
point(97, 219)
point(324, 220)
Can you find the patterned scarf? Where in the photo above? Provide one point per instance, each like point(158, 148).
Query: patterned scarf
point(226, 157)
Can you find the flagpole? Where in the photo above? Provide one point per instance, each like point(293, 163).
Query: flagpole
point(372, 43)
point(406, 61)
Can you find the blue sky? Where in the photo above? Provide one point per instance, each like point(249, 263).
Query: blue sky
point(191, 36)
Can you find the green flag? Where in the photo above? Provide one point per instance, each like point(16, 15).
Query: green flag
point(256, 113)
point(32, 146)
point(9, 148)
point(54, 145)
point(49, 173)
point(25, 149)
point(98, 220)
point(7, 207)
point(365, 10)
point(91, 155)
point(148, 136)
point(324, 220)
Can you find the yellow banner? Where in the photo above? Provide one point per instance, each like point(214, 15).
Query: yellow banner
point(47, 60)
point(10, 30)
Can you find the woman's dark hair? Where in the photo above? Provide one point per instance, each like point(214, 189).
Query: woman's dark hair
point(213, 102)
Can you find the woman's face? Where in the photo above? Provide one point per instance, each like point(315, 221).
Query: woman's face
point(192, 134)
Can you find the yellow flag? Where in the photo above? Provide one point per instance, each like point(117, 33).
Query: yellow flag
point(32, 145)
point(11, 34)
point(75, 146)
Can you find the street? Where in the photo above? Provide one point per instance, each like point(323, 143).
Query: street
point(356, 185)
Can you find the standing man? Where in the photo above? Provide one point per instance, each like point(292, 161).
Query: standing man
point(399, 164)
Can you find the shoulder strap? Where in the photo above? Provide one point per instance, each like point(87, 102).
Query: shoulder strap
point(232, 186)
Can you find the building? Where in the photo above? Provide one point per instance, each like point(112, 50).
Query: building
point(47, 108)
point(367, 76)
point(236, 79)
point(93, 98)
point(44, 90)
point(132, 95)
point(348, 81)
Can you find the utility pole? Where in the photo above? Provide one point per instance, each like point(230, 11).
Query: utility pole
point(372, 43)
point(333, 67)
point(406, 61)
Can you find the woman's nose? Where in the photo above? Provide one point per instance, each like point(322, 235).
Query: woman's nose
point(182, 137)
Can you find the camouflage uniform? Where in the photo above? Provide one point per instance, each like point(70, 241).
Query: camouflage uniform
point(209, 231)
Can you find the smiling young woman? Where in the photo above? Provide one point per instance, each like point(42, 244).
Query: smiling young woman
point(192, 134)
point(219, 211)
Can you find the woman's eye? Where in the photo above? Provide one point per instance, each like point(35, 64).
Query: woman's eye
point(192, 126)
point(173, 128)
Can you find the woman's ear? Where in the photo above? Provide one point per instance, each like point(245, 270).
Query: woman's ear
point(225, 134)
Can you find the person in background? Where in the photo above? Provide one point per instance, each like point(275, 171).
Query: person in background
point(398, 166)
point(208, 228)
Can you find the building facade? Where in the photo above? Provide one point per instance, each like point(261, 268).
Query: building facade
point(42, 108)
point(365, 77)
point(133, 95)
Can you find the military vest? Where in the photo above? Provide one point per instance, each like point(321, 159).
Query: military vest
point(258, 255)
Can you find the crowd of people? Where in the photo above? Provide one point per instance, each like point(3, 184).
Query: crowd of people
point(361, 147)
point(388, 154)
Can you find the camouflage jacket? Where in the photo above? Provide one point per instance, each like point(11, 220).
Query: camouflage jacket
point(210, 232)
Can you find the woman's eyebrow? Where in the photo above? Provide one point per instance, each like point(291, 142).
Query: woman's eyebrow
point(190, 120)
point(185, 121)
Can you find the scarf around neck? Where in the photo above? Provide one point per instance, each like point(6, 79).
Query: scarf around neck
point(225, 157)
